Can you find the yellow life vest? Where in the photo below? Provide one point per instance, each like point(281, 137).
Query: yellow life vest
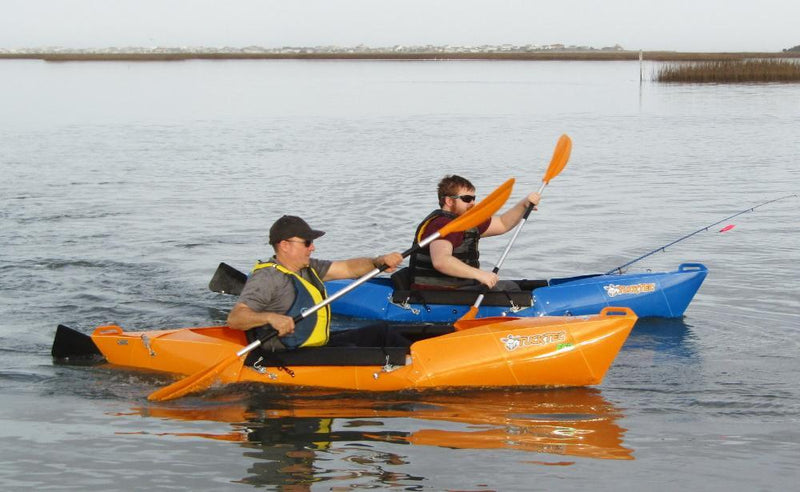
point(314, 330)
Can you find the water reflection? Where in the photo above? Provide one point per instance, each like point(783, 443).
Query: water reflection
point(671, 337)
point(299, 438)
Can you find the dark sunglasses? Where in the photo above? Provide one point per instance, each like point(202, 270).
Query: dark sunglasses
point(307, 242)
point(465, 198)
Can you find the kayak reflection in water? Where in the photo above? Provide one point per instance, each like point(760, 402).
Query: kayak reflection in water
point(303, 438)
point(281, 288)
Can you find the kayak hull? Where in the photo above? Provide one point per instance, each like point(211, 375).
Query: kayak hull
point(651, 294)
point(490, 353)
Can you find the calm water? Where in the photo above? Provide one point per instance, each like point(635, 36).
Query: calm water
point(125, 184)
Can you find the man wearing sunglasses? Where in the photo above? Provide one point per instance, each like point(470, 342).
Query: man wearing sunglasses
point(452, 262)
point(291, 281)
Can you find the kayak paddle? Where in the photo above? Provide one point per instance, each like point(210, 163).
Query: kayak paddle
point(201, 380)
point(557, 164)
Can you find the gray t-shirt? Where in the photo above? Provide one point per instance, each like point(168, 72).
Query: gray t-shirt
point(269, 289)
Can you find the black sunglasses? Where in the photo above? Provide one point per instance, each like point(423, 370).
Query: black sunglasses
point(464, 198)
point(307, 242)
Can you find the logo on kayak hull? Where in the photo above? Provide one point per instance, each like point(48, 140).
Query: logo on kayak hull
point(513, 342)
point(614, 290)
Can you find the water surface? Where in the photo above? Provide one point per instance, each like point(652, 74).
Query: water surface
point(125, 184)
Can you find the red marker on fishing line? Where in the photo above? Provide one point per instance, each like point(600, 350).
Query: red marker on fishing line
point(727, 228)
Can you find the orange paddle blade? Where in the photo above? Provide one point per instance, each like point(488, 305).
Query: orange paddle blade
point(190, 384)
point(465, 324)
point(469, 315)
point(481, 211)
point(560, 158)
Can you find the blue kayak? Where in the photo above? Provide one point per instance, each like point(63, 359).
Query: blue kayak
point(653, 294)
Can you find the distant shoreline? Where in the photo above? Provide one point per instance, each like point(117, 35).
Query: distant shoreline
point(555, 55)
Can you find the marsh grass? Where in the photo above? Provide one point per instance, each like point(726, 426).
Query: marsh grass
point(731, 72)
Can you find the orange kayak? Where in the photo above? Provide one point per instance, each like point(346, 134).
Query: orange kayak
point(491, 352)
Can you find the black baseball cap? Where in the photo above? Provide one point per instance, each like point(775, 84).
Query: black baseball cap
point(290, 226)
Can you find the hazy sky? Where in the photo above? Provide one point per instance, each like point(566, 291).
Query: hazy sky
point(698, 25)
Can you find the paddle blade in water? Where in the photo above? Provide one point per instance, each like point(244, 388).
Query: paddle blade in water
point(481, 211)
point(560, 158)
point(727, 228)
point(191, 384)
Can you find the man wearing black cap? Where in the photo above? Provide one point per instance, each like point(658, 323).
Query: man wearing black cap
point(279, 289)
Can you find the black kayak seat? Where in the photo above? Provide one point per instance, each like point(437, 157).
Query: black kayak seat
point(330, 356)
point(403, 293)
point(350, 355)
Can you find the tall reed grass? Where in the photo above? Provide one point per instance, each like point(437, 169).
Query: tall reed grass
point(731, 72)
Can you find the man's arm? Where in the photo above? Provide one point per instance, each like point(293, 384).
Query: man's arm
point(503, 223)
point(243, 318)
point(446, 263)
point(357, 267)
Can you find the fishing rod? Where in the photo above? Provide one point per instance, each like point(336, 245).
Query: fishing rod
point(664, 248)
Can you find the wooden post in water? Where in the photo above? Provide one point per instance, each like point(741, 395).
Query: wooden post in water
point(641, 68)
